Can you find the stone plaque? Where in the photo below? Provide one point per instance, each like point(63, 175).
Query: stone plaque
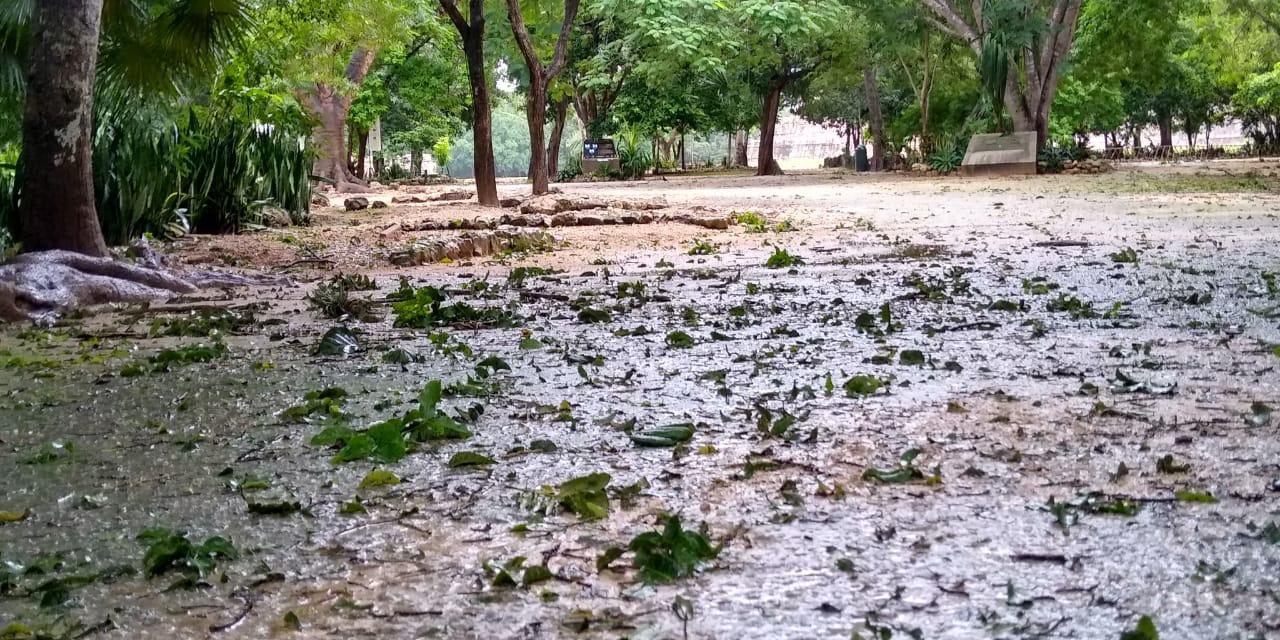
point(1001, 154)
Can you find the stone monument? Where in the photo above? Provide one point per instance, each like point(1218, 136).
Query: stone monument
point(1001, 154)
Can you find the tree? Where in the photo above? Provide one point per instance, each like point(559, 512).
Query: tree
point(324, 50)
point(57, 206)
point(784, 43)
point(540, 76)
point(471, 28)
point(75, 50)
point(1022, 47)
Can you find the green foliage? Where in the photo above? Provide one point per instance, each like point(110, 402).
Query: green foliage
point(585, 496)
point(781, 259)
point(633, 155)
point(668, 436)
point(171, 551)
point(905, 472)
point(1145, 630)
point(425, 308)
point(672, 553)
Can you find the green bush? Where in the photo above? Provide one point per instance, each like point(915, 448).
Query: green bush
point(207, 171)
point(632, 154)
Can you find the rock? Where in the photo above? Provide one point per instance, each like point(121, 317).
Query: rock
point(374, 184)
point(553, 204)
point(276, 217)
point(920, 167)
point(834, 162)
point(451, 196)
point(638, 205)
point(355, 204)
point(318, 200)
point(390, 232)
point(408, 200)
point(595, 220)
point(510, 203)
point(378, 204)
point(566, 219)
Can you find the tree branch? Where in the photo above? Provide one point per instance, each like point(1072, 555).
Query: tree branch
point(521, 32)
point(952, 22)
point(450, 8)
point(562, 45)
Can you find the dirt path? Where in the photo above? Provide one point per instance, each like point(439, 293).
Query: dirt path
point(1082, 369)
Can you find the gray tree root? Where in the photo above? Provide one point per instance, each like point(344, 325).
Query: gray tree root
point(44, 284)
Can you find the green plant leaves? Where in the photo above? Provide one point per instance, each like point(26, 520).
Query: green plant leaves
point(862, 385)
point(670, 554)
point(668, 436)
point(586, 496)
point(781, 259)
point(168, 550)
point(379, 478)
point(469, 459)
point(1145, 630)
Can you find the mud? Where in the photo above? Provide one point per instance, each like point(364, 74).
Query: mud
point(1022, 413)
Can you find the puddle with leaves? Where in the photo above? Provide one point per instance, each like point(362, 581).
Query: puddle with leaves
point(953, 432)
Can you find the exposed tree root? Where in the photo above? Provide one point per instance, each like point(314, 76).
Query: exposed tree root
point(44, 284)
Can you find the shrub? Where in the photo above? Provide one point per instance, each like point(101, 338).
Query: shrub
point(632, 154)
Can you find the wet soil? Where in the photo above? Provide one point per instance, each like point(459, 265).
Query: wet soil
point(1047, 375)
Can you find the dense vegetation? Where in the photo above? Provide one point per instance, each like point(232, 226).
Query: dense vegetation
point(199, 106)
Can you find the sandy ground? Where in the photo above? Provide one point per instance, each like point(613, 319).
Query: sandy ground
point(1048, 376)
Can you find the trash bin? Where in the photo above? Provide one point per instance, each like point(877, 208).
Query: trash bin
point(861, 162)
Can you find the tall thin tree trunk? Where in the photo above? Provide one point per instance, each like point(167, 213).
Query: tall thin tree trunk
point(768, 166)
point(557, 136)
point(876, 113)
point(536, 110)
point(362, 150)
point(57, 210)
point(486, 171)
point(741, 140)
point(415, 162)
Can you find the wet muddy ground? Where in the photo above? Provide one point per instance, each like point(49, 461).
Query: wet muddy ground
point(1079, 374)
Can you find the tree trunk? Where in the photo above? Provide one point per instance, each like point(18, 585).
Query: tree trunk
point(876, 113)
point(768, 166)
point(57, 208)
point(1166, 132)
point(536, 110)
point(329, 107)
point(684, 165)
point(362, 150)
point(472, 34)
point(415, 162)
point(557, 137)
point(486, 171)
point(740, 155)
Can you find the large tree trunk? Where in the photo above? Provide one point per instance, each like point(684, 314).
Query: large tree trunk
point(557, 137)
point(768, 166)
point(876, 113)
point(329, 107)
point(415, 162)
point(57, 209)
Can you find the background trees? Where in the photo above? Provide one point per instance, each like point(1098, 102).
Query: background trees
point(226, 85)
